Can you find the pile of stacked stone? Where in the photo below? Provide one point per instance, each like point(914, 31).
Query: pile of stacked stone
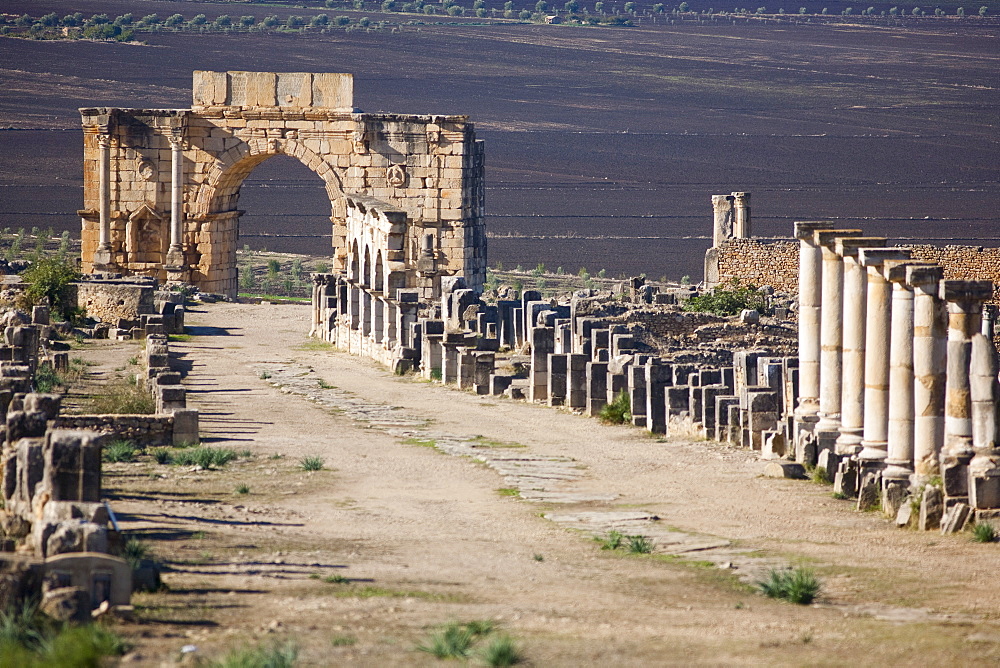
point(56, 534)
point(165, 385)
point(897, 380)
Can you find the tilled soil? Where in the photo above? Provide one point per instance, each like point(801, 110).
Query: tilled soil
point(435, 505)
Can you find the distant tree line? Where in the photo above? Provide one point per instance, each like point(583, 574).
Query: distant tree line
point(126, 26)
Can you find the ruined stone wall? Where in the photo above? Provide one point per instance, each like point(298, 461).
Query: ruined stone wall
point(963, 262)
point(143, 430)
point(110, 301)
point(757, 261)
point(776, 262)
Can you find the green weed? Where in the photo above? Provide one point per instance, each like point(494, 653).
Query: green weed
point(243, 488)
point(798, 585)
point(134, 551)
point(343, 641)
point(619, 411)
point(613, 541)
point(508, 491)
point(983, 532)
point(311, 463)
point(205, 457)
point(273, 656)
point(119, 452)
point(639, 545)
point(501, 651)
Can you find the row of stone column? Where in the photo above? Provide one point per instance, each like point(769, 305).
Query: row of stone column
point(895, 369)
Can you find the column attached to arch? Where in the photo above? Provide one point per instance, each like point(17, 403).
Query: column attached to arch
point(175, 254)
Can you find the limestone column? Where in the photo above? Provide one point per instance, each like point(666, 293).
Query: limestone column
point(102, 257)
point(741, 215)
point(878, 309)
point(176, 191)
point(852, 398)
point(965, 300)
point(831, 337)
point(810, 299)
point(722, 231)
point(900, 427)
point(984, 469)
point(929, 354)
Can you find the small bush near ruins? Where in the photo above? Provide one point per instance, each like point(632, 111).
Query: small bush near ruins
point(729, 299)
point(274, 656)
point(619, 411)
point(983, 532)
point(639, 545)
point(798, 585)
point(49, 278)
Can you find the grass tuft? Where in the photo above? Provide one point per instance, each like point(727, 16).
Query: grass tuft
point(619, 411)
point(455, 641)
point(123, 397)
point(162, 456)
point(119, 452)
point(134, 551)
point(243, 488)
point(798, 585)
point(509, 491)
point(639, 545)
point(613, 541)
point(205, 457)
point(343, 641)
point(273, 656)
point(311, 463)
point(983, 532)
point(501, 651)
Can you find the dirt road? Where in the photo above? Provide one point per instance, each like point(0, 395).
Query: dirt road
point(435, 505)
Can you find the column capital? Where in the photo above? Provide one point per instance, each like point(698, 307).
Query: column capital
point(103, 139)
point(722, 202)
point(741, 198)
point(874, 257)
point(850, 246)
point(924, 276)
point(828, 238)
point(966, 291)
point(895, 270)
point(804, 228)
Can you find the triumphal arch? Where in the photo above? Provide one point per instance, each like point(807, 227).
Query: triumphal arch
point(161, 186)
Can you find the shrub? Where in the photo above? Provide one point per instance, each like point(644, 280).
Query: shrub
point(798, 585)
point(28, 638)
point(728, 300)
point(119, 451)
point(49, 278)
point(619, 411)
point(983, 532)
point(311, 463)
point(455, 640)
point(162, 456)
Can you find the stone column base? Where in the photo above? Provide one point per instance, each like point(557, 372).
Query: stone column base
point(177, 273)
point(102, 260)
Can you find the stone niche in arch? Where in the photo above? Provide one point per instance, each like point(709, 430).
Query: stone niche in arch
point(179, 171)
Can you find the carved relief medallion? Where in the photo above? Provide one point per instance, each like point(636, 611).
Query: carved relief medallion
point(396, 176)
point(146, 169)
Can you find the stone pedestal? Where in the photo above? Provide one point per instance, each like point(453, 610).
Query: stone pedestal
point(965, 299)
